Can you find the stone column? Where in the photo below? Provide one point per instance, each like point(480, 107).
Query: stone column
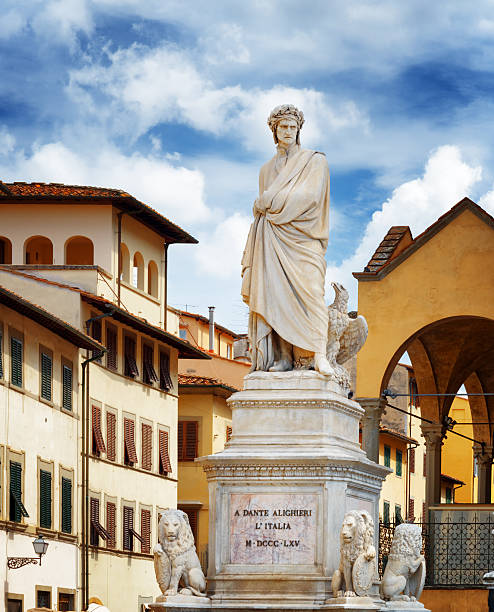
point(433, 434)
point(484, 463)
point(374, 408)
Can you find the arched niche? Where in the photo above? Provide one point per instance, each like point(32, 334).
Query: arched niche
point(138, 271)
point(5, 250)
point(153, 279)
point(124, 263)
point(38, 250)
point(79, 250)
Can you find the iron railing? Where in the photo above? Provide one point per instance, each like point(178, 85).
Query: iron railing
point(457, 552)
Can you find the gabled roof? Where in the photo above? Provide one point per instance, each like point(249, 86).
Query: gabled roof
point(48, 320)
point(33, 193)
point(397, 252)
point(185, 349)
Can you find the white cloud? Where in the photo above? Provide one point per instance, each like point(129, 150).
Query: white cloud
point(146, 87)
point(177, 192)
point(7, 141)
point(417, 203)
point(219, 252)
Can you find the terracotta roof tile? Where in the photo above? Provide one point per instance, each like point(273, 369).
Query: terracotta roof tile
point(76, 193)
point(206, 381)
point(387, 247)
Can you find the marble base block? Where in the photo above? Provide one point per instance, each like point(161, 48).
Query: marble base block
point(180, 602)
point(356, 604)
point(404, 606)
point(280, 489)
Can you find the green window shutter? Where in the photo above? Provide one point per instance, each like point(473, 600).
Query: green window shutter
point(66, 505)
point(45, 499)
point(46, 376)
point(399, 462)
point(387, 456)
point(16, 510)
point(16, 361)
point(1, 354)
point(67, 387)
point(386, 513)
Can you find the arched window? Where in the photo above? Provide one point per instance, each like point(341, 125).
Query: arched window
point(153, 279)
point(79, 251)
point(125, 263)
point(39, 250)
point(5, 251)
point(138, 271)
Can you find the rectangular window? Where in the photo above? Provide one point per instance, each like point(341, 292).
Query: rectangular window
point(449, 495)
point(66, 505)
point(165, 463)
point(145, 531)
point(111, 528)
point(98, 442)
point(67, 386)
point(386, 513)
point(149, 375)
point(146, 446)
point(112, 347)
point(97, 528)
point(228, 351)
point(65, 602)
point(130, 368)
point(111, 436)
point(398, 518)
point(412, 461)
point(16, 507)
point(45, 499)
point(16, 350)
point(129, 533)
point(411, 509)
point(387, 456)
point(46, 373)
point(228, 433)
point(130, 454)
point(165, 379)
point(399, 462)
point(43, 599)
point(187, 440)
point(182, 332)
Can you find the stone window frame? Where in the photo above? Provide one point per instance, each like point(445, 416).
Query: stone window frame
point(64, 591)
point(16, 334)
point(19, 457)
point(45, 589)
point(43, 349)
point(46, 466)
point(69, 474)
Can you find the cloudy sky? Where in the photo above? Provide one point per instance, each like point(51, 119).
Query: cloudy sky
point(168, 100)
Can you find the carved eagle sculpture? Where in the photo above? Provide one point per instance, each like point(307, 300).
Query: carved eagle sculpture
point(346, 335)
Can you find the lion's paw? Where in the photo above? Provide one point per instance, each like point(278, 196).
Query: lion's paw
point(171, 592)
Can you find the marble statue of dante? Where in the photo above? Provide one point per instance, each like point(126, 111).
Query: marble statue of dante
point(283, 266)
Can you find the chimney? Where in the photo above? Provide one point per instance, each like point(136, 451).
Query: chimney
point(211, 329)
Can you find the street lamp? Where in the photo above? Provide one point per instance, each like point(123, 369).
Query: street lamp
point(40, 545)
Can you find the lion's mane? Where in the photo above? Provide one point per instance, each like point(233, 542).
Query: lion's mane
point(407, 541)
point(363, 535)
point(185, 538)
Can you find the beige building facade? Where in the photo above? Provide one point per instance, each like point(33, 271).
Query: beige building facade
point(97, 258)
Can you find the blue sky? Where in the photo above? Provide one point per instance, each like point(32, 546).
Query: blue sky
point(169, 100)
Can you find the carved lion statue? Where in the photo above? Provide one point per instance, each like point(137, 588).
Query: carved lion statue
point(175, 558)
point(404, 575)
point(357, 555)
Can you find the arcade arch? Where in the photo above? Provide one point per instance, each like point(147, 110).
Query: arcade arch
point(79, 250)
point(38, 250)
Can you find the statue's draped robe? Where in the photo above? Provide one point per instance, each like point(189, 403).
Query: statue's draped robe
point(283, 266)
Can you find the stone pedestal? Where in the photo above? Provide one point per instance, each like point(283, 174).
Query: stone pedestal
point(280, 489)
point(404, 606)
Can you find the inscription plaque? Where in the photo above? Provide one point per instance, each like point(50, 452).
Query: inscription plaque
point(273, 529)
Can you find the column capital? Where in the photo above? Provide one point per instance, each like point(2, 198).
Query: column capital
point(433, 434)
point(374, 408)
point(483, 457)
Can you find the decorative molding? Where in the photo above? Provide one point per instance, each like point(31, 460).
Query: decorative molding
point(287, 403)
